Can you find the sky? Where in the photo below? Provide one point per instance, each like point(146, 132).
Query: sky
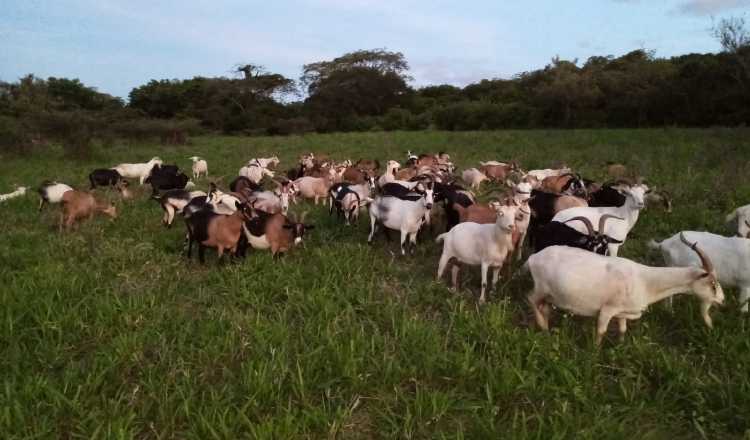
point(118, 45)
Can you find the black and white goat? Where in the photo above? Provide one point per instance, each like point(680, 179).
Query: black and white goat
point(560, 234)
point(405, 214)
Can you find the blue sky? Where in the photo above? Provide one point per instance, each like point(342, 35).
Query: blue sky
point(117, 45)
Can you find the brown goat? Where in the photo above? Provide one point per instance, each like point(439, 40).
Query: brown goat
point(355, 175)
point(565, 202)
point(275, 232)
point(368, 164)
point(496, 173)
point(79, 205)
point(218, 231)
point(406, 173)
point(555, 184)
point(617, 170)
point(477, 213)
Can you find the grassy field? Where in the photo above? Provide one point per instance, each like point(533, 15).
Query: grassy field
point(109, 332)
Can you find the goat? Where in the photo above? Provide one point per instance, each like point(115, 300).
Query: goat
point(473, 177)
point(174, 201)
point(51, 192)
point(544, 206)
point(200, 167)
point(78, 205)
point(276, 232)
point(560, 234)
point(391, 167)
point(138, 171)
point(355, 175)
point(222, 232)
point(590, 284)
point(161, 180)
point(479, 245)
point(607, 195)
point(270, 202)
point(241, 183)
point(264, 162)
point(570, 184)
point(540, 175)
point(617, 230)
point(368, 165)
point(255, 172)
point(659, 198)
point(741, 219)
point(405, 215)
point(496, 171)
point(314, 187)
point(731, 255)
point(104, 177)
point(19, 191)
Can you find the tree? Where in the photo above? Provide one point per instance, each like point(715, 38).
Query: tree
point(360, 84)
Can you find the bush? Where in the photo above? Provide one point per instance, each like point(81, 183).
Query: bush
point(285, 127)
point(14, 137)
point(73, 129)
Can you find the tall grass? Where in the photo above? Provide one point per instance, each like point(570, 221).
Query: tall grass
point(109, 332)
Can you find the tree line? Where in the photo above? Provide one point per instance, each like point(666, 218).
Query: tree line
point(370, 90)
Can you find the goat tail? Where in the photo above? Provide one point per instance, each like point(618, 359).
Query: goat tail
point(732, 216)
point(653, 244)
point(440, 237)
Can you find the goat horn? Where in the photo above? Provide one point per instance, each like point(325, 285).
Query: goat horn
point(585, 221)
point(707, 265)
point(603, 220)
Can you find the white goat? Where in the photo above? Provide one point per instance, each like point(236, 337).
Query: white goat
point(473, 177)
point(403, 215)
point(730, 254)
point(264, 162)
point(52, 192)
point(741, 218)
point(255, 172)
point(390, 172)
point(590, 284)
point(619, 230)
point(200, 167)
point(479, 245)
point(137, 170)
point(20, 191)
point(548, 172)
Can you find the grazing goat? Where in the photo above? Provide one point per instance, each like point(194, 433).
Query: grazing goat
point(222, 232)
point(473, 177)
point(138, 171)
point(730, 254)
point(634, 203)
point(479, 245)
point(200, 167)
point(589, 284)
point(275, 232)
point(740, 220)
point(52, 192)
point(560, 234)
point(20, 191)
point(174, 201)
point(79, 204)
point(405, 215)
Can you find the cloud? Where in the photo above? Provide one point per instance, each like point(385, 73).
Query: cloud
point(708, 7)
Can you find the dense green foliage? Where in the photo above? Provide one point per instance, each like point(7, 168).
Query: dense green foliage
point(108, 332)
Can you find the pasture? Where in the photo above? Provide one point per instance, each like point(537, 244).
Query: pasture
point(109, 332)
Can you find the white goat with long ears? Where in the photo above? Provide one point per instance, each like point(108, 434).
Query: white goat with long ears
point(391, 167)
point(200, 167)
point(634, 202)
point(405, 215)
point(590, 284)
point(476, 244)
point(20, 191)
point(730, 254)
point(137, 170)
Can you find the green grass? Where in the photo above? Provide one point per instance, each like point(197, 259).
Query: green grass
point(109, 332)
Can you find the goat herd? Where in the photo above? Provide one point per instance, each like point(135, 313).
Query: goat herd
point(574, 226)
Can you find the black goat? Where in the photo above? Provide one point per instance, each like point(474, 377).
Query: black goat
point(560, 234)
point(104, 177)
point(243, 182)
point(165, 178)
point(607, 195)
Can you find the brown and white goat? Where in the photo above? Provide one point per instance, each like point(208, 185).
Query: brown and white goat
point(218, 231)
point(78, 205)
point(276, 232)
